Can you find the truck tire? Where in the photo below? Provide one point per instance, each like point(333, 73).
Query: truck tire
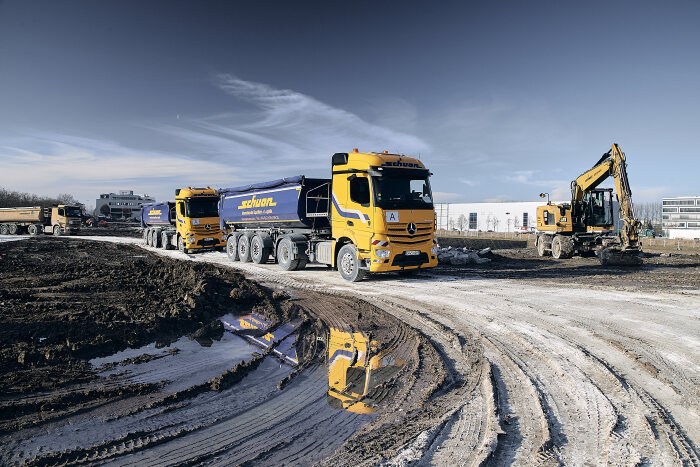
point(33, 230)
point(146, 235)
point(4, 230)
point(232, 248)
point(164, 241)
point(542, 246)
point(244, 248)
point(562, 247)
point(349, 265)
point(56, 230)
point(181, 245)
point(12, 229)
point(155, 239)
point(259, 253)
point(285, 255)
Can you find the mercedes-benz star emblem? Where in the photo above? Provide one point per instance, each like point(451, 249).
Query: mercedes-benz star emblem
point(411, 228)
point(207, 226)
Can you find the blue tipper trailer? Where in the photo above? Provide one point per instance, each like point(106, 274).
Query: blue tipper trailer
point(157, 214)
point(279, 203)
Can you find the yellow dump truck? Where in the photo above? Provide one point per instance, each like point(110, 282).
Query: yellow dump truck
point(56, 220)
point(376, 214)
point(190, 224)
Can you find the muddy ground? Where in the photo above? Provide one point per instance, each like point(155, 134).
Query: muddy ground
point(93, 331)
point(112, 352)
point(660, 271)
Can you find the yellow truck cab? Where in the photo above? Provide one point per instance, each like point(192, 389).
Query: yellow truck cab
point(383, 210)
point(197, 219)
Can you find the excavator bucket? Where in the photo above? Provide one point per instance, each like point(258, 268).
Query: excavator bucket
point(615, 256)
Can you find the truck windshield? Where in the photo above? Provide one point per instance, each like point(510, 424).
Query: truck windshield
point(72, 212)
point(402, 192)
point(202, 207)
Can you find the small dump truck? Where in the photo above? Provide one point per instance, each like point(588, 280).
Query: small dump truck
point(56, 220)
point(190, 223)
point(375, 214)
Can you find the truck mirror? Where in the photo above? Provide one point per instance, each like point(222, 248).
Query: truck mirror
point(352, 177)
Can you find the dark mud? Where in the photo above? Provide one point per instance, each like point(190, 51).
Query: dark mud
point(64, 302)
point(659, 272)
point(111, 353)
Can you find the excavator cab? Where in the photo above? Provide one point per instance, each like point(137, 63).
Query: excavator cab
point(598, 209)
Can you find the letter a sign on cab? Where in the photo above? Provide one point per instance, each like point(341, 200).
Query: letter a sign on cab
point(392, 216)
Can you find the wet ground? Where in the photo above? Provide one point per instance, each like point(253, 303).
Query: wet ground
point(524, 360)
point(111, 353)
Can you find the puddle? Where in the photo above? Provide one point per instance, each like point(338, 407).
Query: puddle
point(184, 363)
point(283, 337)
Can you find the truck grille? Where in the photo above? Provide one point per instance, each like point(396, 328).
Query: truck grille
point(397, 233)
point(201, 230)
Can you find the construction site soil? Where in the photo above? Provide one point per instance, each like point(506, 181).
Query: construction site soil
point(112, 352)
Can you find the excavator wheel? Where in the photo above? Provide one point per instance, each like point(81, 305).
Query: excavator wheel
point(562, 247)
point(541, 246)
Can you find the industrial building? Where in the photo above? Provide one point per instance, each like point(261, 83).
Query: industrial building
point(122, 205)
point(506, 216)
point(681, 217)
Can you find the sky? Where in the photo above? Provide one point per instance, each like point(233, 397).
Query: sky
point(501, 100)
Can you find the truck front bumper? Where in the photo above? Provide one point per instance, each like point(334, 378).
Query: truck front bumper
point(417, 256)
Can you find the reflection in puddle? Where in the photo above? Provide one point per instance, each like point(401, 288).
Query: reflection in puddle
point(283, 337)
point(359, 373)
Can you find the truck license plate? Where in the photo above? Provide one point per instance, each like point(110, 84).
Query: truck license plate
point(412, 253)
point(208, 239)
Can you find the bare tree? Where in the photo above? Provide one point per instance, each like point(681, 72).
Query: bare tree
point(462, 222)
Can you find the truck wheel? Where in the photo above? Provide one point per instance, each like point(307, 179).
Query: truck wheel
point(181, 246)
point(155, 239)
point(258, 252)
point(164, 241)
point(302, 261)
point(244, 248)
point(57, 230)
point(285, 255)
point(4, 230)
point(33, 230)
point(541, 246)
point(349, 265)
point(146, 236)
point(12, 229)
point(232, 248)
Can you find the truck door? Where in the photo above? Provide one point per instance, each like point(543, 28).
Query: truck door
point(358, 208)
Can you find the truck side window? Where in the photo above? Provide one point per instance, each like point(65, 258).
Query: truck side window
point(359, 190)
point(181, 209)
point(61, 212)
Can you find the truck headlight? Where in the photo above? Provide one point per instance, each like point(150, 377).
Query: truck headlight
point(190, 240)
point(382, 253)
point(435, 250)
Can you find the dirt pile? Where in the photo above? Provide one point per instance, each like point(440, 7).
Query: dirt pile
point(63, 302)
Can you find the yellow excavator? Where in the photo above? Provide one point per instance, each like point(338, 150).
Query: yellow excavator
point(586, 225)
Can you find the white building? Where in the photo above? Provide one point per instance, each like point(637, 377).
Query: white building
point(681, 217)
point(122, 205)
point(507, 216)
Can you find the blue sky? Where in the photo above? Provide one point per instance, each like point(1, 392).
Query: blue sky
point(502, 100)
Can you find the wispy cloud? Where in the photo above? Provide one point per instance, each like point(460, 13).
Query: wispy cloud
point(283, 131)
